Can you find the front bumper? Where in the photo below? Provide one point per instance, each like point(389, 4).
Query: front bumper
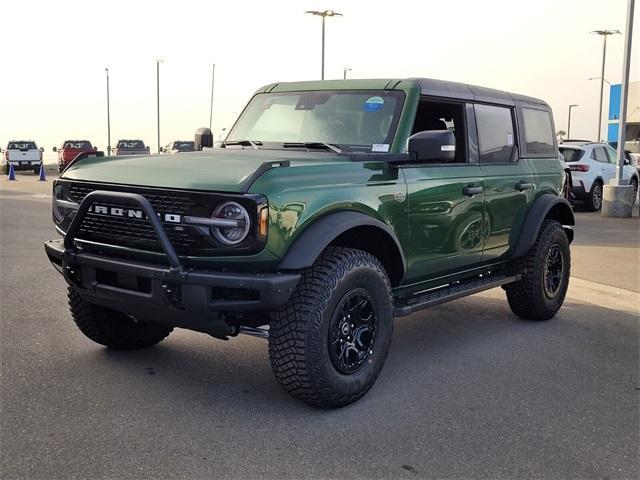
point(173, 294)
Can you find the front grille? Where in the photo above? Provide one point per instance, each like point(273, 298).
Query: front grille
point(138, 232)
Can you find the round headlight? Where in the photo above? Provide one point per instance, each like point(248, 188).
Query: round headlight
point(239, 223)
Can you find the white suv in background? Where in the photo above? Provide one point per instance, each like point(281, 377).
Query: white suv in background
point(592, 165)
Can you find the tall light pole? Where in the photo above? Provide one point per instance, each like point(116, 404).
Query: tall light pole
point(622, 133)
point(604, 34)
point(108, 115)
point(569, 121)
point(158, 62)
point(324, 14)
point(344, 75)
point(213, 76)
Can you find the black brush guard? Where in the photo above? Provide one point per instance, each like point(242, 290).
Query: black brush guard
point(173, 294)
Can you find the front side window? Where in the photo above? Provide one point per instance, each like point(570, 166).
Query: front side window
point(613, 155)
point(538, 132)
point(495, 133)
point(351, 119)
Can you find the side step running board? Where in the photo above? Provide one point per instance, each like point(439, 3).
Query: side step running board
point(449, 292)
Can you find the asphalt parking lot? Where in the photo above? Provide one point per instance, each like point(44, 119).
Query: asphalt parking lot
point(468, 391)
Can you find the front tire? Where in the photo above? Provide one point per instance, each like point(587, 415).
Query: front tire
point(328, 344)
point(545, 275)
point(634, 182)
point(594, 199)
point(111, 328)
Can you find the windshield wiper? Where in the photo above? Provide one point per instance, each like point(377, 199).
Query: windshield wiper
point(244, 143)
point(316, 145)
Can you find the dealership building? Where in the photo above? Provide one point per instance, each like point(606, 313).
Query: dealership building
point(632, 134)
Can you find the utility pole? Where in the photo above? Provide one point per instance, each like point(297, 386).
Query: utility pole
point(324, 14)
point(604, 34)
point(213, 76)
point(569, 121)
point(108, 116)
point(158, 98)
point(622, 130)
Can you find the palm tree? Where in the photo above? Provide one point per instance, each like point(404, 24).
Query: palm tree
point(560, 134)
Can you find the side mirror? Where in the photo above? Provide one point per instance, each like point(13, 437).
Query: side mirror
point(148, 149)
point(433, 146)
point(55, 149)
point(627, 162)
point(42, 149)
point(203, 138)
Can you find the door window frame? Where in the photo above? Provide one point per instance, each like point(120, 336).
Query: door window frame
point(515, 156)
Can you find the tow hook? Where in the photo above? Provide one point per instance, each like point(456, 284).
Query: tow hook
point(171, 293)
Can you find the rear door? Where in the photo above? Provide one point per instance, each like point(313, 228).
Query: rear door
point(606, 170)
point(507, 179)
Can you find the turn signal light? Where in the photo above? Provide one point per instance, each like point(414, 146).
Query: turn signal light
point(263, 224)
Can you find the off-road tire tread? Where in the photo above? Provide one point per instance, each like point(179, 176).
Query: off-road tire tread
point(525, 297)
point(85, 316)
point(294, 368)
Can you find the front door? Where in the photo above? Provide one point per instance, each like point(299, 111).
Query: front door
point(445, 200)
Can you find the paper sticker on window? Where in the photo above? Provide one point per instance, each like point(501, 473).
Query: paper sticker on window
point(509, 139)
point(447, 148)
point(373, 104)
point(380, 147)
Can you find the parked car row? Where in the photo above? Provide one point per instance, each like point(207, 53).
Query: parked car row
point(592, 165)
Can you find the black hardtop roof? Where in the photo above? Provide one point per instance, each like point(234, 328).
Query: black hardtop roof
point(444, 88)
point(428, 86)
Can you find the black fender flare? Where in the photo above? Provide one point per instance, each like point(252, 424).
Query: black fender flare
point(319, 235)
point(547, 205)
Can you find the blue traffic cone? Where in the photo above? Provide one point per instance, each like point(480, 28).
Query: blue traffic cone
point(43, 177)
point(12, 173)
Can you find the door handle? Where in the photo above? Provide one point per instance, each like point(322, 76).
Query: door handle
point(471, 190)
point(522, 185)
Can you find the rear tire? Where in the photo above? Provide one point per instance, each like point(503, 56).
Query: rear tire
point(111, 328)
point(545, 275)
point(36, 171)
point(594, 199)
point(328, 344)
point(5, 169)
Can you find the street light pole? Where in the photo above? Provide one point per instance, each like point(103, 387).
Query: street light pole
point(324, 14)
point(158, 98)
point(108, 116)
point(346, 69)
point(213, 76)
point(604, 34)
point(569, 121)
point(622, 134)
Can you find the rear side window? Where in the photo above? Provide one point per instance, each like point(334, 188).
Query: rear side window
point(495, 133)
point(538, 132)
point(599, 155)
point(571, 154)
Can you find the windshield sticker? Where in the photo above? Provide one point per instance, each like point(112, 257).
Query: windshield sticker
point(509, 139)
point(380, 147)
point(373, 104)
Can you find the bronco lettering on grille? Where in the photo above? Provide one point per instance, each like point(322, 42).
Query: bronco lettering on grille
point(133, 213)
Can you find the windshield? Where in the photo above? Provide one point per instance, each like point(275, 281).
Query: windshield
point(21, 146)
point(130, 144)
point(351, 119)
point(571, 154)
point(184, 146)
point(78, 145)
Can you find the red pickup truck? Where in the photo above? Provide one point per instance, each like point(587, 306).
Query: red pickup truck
point(70, 149)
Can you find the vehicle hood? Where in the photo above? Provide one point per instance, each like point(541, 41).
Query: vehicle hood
point(220, 169)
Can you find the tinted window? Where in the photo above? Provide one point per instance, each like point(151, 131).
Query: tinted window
point(22, 146)
point(571, 154)
point(130, 144)
point(538, 133)
point(495, 133)
point(599, 155)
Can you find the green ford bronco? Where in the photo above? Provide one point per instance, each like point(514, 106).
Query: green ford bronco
point(331, 208)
